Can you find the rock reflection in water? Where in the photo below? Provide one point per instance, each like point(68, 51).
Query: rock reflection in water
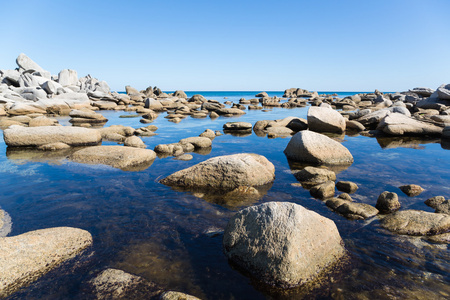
point(296, 166)
point(34, 155)
point(405, 142)
point(239, 133)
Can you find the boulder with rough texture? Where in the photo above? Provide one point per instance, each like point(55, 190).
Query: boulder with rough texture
point(121, 157)
point(347, 186)
point(311, 147)
point(282, 243)
point(443, 208)
point(433, 202)
point(117, 284)
point(352, 210)
point(411, 190)
point(399, 124)
point(387, 202)
point(323, 191)
point(323, 119)
point(18, 136)
point(171, 295)
point(26, 257)
point(225, 173)
point(415, 222)
point(42, 121)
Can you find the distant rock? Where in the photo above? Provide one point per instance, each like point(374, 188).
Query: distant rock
point(387, 202)
point(237, 126)
point(225, 173)
point(281, 243)
point(415, 222)
point(28, 256)
point(411, 190)
point(443, 92)
point(230, 111)
point(322, 119)
point(262, 95)
point(421, 91)
point(311, 147)
point(18, 136)
point(197, 141)
point(180, 94)
point(121, 157)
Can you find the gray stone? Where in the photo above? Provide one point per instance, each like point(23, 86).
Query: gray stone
point(347, 186)
point(311, 147)
point(67, 77)
point(18, 136)
point(27, 63)
point(26, 257)
point(444, 92)
point(262, 95)
point(398, 124)
point(415, 222)
point(387, 202)
point(230, 111)
point(352, 210)
point(281, 243)
point(121, 157)
point(180, 94)
point(322, 119)
point(225, 173)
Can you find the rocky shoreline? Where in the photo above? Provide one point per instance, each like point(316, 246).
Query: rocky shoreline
point(259, 239)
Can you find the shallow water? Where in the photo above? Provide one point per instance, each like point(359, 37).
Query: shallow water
point(174, 238)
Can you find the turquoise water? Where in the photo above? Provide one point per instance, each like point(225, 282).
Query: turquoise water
point(175, 239)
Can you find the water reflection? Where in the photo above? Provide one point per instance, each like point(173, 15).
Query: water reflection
point(387, 142)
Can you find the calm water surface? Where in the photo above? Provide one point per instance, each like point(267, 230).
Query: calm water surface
point(175, 239)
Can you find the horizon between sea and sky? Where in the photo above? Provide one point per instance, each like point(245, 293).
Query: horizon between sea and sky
point(236, 45)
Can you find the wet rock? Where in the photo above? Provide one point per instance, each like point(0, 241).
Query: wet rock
point(18, 136)
point(347, 186)
point(415, 222)
point(345, 196)
point(311, 147)
point(134, 141)
point(311, 176)
point(433, 202)
point(352, 210)
point(225, 173)
point(387, 202)
point(54, 147)
point(213, 115)
point(323, 191)
point(398, 124)
point(443, 208)
point(117, 284)
point(170, 295)
point(282, 243)
point(411, 190)
point(121, 157)
point(237, 126)
point(443, 238)
point(26, 257)
point(198, 142)
point(322, 119)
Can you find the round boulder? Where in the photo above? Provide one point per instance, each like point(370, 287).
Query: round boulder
point(311, 147)
point(281, 243)
point(387, 202)
point(323, 119)
point(225, 172)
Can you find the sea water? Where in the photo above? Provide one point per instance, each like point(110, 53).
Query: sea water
point(174, 238)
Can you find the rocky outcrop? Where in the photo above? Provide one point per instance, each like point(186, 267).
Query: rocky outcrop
point(121, 157)
point(26, 257)
point(415, 222)
point(311, 147)
point(282, 243)
point(399, 124)
point(323, 119)
point(225, 173)
point(18, 136)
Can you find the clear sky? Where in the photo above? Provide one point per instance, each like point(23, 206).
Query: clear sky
point(330, 45)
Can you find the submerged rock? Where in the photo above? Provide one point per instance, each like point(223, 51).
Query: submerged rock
point(352, 210)
point(225, 173)
point(311, 176)
point(121, 157)
point(18, 136)
point(117, 284)
point(323, 191)
point(347, 186)
point(282, 243)
point(311, 147)
point(26, 257)
point(415, 222)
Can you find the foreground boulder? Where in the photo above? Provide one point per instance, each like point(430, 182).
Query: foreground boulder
point(18, 136)
point(225, 173)
point(26, 257)
point(311, 147)
point(281, 243)
point(415, 222)
point(121, 157)
point(323, 119)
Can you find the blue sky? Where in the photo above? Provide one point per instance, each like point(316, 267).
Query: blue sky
point(391, 45)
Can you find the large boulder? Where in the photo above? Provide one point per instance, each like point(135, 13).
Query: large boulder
point(18, 136)
point(282, 243)
point(26, 257)
point(225, 173)
point(121, 157)
point(443, 92)
point(323, 119)
point(399, 124)
point(27, 63)
point(415, 222)
point(311, 147)
point(67, 77)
